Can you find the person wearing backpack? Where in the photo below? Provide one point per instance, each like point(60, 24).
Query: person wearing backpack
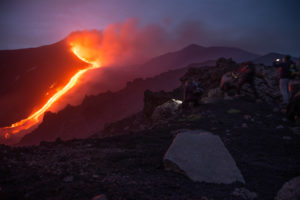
point(193, 91)
point(287, 71)
point(247, 75)
point(197, 91)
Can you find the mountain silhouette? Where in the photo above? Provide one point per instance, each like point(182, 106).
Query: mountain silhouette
point(193, 54)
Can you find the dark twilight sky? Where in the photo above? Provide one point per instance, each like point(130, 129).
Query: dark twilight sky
point(260, 26)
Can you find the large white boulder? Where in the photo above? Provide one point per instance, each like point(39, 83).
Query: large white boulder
point(202, 157)
point(290, 190)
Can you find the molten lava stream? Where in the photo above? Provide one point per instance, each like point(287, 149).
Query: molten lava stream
point(36, 117)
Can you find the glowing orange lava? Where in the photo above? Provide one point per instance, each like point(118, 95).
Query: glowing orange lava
point(36, 117)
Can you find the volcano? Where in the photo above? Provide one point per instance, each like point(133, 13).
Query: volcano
point(28, 77)
point(83, 120)
point(36, 75)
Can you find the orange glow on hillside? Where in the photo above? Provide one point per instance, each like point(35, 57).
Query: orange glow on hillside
point(36, 117)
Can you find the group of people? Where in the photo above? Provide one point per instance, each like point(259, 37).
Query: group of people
point(234, 81)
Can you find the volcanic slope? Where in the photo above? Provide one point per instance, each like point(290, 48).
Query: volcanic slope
point(130, 166)
point(131, 101)
point(28, 77)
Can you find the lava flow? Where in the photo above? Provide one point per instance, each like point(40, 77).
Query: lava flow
point(36, 117)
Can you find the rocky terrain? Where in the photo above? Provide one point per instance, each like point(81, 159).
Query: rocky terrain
point(126, 159)
point(95, 111)
point(131, 166)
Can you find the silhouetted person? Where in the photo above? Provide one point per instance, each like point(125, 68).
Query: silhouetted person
point(228, 82)
point(197, 91)
point(287, 71)
point(192, 93)
point(246, 76)
point(293, 108)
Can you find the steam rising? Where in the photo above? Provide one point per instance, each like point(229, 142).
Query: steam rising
point(130, 43)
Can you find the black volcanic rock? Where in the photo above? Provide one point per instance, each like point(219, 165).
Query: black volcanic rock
point(152, 100)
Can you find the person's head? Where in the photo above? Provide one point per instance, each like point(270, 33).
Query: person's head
point(234, 75)
point(286, 58)
point(186, 82)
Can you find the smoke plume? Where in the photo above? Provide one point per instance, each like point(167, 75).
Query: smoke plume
point(130, 43)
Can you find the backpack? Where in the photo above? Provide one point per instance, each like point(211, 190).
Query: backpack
point(198, 89)
point(292, 70)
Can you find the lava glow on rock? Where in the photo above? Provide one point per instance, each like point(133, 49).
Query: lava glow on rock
point(36, 117)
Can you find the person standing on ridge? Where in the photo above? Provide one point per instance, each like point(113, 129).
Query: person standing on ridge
point(287, 71)
point(193, 91)
point(247, 75)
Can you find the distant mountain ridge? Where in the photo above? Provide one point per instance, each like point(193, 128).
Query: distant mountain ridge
point(194, 54)
point(269, 58)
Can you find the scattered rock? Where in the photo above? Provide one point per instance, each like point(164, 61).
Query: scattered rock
point(286, 137)
point(247, 117)
point(208, 100)
point(215, 92)
point(166, 110)
point(244, 125)
point(194, 117)
point(258, 101)
point(284, 119)
point(244, 193)
point(100, 197)
point(88, 145)
point(154, 99)
point(175, 132)
point(95, 176)
point(202, 157)
point(233, 111)
point(296, 130)
point(290, 190)
point(213, 96)
point(279, 127)
point(204, 198)
point(68, 179)
point(226, 97)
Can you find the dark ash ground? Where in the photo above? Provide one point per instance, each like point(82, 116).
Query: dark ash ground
point(130, 166)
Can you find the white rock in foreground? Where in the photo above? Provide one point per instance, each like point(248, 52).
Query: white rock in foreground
point(290, 190)
point(203, 157)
